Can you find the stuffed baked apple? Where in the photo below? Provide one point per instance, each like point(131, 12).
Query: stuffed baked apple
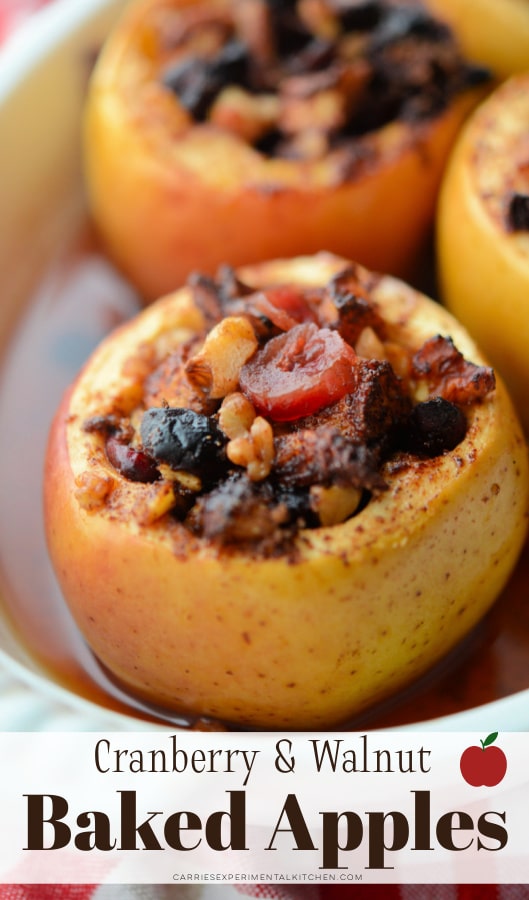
point(242, 130)
point(277, 496)
point(483, 233)
point(493, 32)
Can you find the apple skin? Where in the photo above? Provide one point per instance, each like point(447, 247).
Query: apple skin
point(209, 197)
point(307, 639)
point(492, 32)
point(483, 266)
point(483, 766)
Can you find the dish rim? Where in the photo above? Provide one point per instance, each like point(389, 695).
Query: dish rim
point(27, 48)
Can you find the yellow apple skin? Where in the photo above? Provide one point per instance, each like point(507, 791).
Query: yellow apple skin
point(492, 32)
point(169, 198)
point(310, 638)
point(483, 266)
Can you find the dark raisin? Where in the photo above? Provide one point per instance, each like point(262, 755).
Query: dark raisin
point(132, 464)
point(190, 81)
point(184, 439)
point(298, 504)
point(290, 34)
point(359, 15)
point(434, 427)
point(474, 74)
point(196, 81)
point(518, 212)
point(270, 142)
point(230, 65)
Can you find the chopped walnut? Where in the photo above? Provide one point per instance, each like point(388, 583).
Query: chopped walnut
point(236, 415)
point(215, 368)
point(92, 490)
point(254, 450)
point(248, 115)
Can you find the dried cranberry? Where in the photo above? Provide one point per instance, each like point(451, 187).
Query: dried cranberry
point(299, 372)
point(284, 306)
point(132, 464)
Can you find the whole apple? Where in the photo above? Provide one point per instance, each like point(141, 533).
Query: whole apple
point(152, 156)
point(354, 607)
point(482, 241)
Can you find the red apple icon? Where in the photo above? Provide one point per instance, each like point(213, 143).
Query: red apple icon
point(485, 765)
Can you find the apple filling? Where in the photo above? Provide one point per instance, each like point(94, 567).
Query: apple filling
point(303, 78)
point(289, 410)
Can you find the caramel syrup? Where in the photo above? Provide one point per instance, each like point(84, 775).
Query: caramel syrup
point(79, 300)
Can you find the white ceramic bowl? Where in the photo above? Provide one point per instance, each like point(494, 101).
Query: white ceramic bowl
point(43, 72)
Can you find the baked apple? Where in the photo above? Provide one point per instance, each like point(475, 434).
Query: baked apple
point(493, 32)
point(241, 130)
point(278, 495)
point(483, 233)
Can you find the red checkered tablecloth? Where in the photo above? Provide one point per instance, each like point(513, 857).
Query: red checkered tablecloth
point(14, 12)
point(267, 892)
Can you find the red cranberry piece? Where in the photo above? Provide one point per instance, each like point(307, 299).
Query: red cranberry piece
point(299, 372)
point(132, 464)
